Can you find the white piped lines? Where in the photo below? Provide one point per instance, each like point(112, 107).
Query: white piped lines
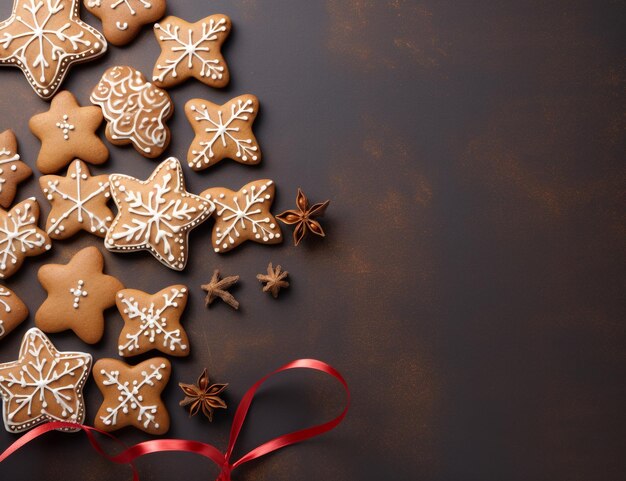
point(78, 292)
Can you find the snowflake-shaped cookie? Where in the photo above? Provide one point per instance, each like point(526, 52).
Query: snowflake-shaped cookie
point(79, 202)
point(122, 19)
point(243, 215)
point(153, 321)
point(136, 111)
point(44, 38)
point(223, 131)
point(156, 214)
point(191, 50)
point(12, 311)
point(20, 237)
point(12, 169)
point(132, 395)
point(43, 384)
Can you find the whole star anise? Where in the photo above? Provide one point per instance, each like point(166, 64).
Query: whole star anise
point(203, 395)
point(219, 288)
point(274, 280)
point(303, 217)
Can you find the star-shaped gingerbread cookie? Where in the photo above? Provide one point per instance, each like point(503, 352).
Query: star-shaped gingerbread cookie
point(79, 202)
point(78, 294)
point(44, 38)
point(122, 19)
point(12, 169)
point(20, 237)
point(223, 131)
point(43, 385)
point(152, 321)
point(132, 395)
point(191, 50)
point(12, 311)
point(67, 131)
point(243, 215)
point(156, 214)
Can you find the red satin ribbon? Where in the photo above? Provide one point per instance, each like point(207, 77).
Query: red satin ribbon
point(197, 447)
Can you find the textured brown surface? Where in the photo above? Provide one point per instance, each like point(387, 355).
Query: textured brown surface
point(471, 287)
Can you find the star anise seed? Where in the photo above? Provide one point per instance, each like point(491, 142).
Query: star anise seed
point(203, 395)
point(219, 288)
point(274, 280)
point(303, 217)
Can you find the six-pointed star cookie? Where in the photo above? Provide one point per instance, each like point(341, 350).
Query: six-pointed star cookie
point(20, 237)
point(12, 169)
point(78, 294)
point(156, 214)
point(12, 311)
point(44, 38)
point(243, 215)
point(68, 131)
point(132, 395)
point(79, 202)
point(223, 131)
point(122, 19)
point(43, 384)
point(152, 321)
point(191, 50)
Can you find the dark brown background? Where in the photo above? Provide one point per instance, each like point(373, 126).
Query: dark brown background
point(471, 287)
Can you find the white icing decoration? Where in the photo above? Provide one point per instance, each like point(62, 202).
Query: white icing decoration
point(79, 202)
point(134, 108)
point(153, 323)
point(19, 233)
point(224, 132)
point(43, 35)
point(241, 217)
point(188, 49)
point(7, 157)
point(122, 25)
point(130, 397)
point(78, 292)
point(7, 308)
point(145, 4)
point(65, 126)
point(51, 378)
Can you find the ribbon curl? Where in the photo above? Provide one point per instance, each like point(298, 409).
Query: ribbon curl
point(222, 460)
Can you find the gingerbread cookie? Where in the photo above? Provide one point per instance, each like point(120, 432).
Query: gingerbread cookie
point(79, 202)
point(12, 169)
point(44, 39)
point(152, 321)
point(12, 311)
point(135, 110)
point(132, 395)
point(191, 50)
point(243, 215)
point(67, 131)
point(43, 384)
point(122, 19)
point(223, 131)
point(156, 214)
point(20, 237)
point(78, 294)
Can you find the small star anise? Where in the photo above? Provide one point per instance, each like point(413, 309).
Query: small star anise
point(219, 288)
point(203, 395)
point(275, 279)
point(303, 217)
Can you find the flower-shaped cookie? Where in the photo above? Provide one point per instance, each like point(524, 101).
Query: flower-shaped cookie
point(132, 395)
point(20, 237)
point(152, 321)
point(156, 214)
point(79, 202)
point(43, 384)
point(67, 131)
point(44, 38)
point(243, 215)
point(78, 294)
point(223, 131)
point(12, 169)
point(136, 111)
point(191, 50)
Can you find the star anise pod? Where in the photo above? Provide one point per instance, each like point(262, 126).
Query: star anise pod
point(303, 217)
point(274, 280)
point(219, 288)
point(203, 395)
